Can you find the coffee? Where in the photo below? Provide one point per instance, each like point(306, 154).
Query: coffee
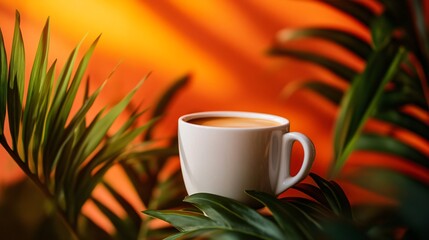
point(234, 122)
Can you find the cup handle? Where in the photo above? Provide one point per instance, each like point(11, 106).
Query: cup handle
point(285, 180)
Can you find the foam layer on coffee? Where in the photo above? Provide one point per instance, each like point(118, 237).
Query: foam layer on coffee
point(234, 122)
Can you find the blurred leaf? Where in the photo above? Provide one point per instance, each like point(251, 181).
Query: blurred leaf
point(405, 121)
point(342, 38)
point(361, 100)
point(166, 99)
point(411, 193)
point(355, 9)
point(344, 72)
point(390, 145)
point(331, 93)
point(381, 31)
point(123, 230)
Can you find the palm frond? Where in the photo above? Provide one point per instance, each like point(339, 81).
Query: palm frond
point(63, 154)
point(290, 217)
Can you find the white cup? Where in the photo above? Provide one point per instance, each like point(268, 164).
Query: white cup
point(229, 160)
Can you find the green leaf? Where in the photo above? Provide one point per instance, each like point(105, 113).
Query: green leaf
point(334, 195)
point(215, 234)
point(405, 121)
point(16, 83)
point(328, 91)
point(293, 223)
point(3, 83)
point(354, 9)
point(235, 215)
point(411, 193)
point(362, 99)
point(34, 96)
point(313, 192)
point(390, 145)
point(165, 99)
point(342, 38)
point(131, 213)
point(343, 71)
point(185, 221)
point(123, 230)
point(381, 31)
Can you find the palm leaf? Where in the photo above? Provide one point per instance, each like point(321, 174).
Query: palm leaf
point(341, 70)
point(410, 192)
point(361, 100)
point(65, 160)
point(342, 38)
point(3, 83)
point(290, 217)
point(355, 9)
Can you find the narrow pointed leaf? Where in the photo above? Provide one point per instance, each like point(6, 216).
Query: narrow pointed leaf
point(353, 8)
point(381, 31)
point(343, 71)
point(334, 195)
point(362, 99)
point(342, 38)
point(165, 99)
point(405, 121)
point(185, 221)
point(123, 230)
point(3, 83)
point(290, 220)
point(328, 91)
point(389, 145)
point(34, 91)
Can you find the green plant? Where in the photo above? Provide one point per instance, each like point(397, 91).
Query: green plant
point(66, 154)
point(394, 80)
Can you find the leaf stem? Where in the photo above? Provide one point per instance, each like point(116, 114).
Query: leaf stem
point(34, 178)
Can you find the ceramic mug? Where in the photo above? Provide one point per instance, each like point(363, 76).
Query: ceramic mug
point(253, 152)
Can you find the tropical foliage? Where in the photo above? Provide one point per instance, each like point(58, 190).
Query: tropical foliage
point(66, 154)
point(392, 89)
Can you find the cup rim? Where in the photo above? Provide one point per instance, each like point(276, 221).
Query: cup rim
point(283, 122)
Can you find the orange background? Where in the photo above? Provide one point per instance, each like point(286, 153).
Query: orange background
point(221, 44)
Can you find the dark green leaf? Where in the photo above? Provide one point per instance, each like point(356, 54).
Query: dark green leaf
point(184, 220)
point(3, 83)
point(336, 67)
point(354, 9)
point(362, 98)
point(411, 193)
point(342, 38)
point(214, 234)
point(290, 219)
point(165, 100)
point(313, 192)
point(235, 215)
point(334, 195)
point(16, 82)
point(390, 145)
point(328, 91)
point(381, 31)
point(405, 121)
point(123, 230)
point(131, 213)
